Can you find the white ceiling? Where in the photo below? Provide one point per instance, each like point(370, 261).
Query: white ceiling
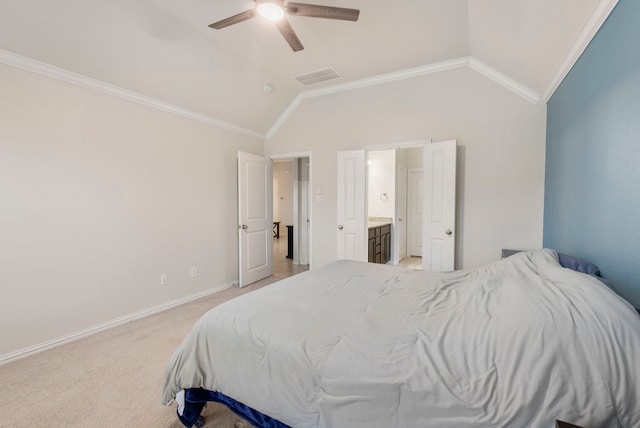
point(163, 49)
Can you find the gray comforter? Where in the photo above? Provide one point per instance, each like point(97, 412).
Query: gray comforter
point(518, 343)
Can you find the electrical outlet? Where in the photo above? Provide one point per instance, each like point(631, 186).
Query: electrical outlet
point(194, 272)
point(164, 279)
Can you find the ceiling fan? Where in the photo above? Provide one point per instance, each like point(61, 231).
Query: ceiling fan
point(275, 10)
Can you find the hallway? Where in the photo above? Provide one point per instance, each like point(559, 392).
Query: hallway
point(282, 266)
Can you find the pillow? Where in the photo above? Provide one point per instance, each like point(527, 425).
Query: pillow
point(579, 265)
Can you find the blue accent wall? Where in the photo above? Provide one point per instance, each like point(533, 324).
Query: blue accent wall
point(592, 184)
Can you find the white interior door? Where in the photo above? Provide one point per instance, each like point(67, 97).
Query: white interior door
point(255, 218)
point(400, 232)
point(415, 212)
point(351, 216)
point(439, 206)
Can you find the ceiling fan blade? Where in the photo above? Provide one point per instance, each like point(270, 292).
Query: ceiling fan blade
point(289, 35)
point(318, 11)
point(242, 16)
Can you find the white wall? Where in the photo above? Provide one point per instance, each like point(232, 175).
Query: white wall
point(413, 157)
point(98, 197)
point(501, 140)
point(381, 180)
point(283, 194)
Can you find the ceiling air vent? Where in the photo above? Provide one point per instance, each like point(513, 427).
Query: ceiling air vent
point(317, 76)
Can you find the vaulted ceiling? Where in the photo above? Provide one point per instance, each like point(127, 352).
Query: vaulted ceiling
point(163, 50)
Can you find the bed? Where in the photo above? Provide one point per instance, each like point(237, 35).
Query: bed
point(522, 342)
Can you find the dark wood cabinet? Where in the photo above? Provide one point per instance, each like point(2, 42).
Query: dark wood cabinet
point(372, 248)
point(379, 244)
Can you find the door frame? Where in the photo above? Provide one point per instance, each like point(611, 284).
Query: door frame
point(296, 220)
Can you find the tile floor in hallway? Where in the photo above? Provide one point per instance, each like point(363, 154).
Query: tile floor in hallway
point(282, 266)
point(411, 263)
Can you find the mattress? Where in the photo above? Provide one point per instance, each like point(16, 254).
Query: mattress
point(520, 342)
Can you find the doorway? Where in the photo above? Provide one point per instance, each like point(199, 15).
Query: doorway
point(291, 215)
point(394, 184)
point(430, 201)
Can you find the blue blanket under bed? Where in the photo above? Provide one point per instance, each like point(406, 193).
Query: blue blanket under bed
point(196, 398)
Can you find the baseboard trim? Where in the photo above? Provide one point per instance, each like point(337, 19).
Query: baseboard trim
point(49, 344)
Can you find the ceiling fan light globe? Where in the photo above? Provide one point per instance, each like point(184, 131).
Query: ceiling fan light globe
point(270, 11)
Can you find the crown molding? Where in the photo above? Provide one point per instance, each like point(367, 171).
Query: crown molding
point(363, 83)
point(504, 80)
point(53, 72)
point(471, 62)
point(600, 14)
point(286, 114)
point(408, 73)
point(591, 27)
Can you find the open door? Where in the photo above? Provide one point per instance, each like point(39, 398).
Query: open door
point(438, 252)
point(255, 218)
point(351, 205)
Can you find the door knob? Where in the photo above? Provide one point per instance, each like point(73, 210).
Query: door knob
point(244, 226)
point(448, 232)
point(340, 227)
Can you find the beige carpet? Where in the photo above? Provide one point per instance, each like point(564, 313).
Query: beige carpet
point(111, 379)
